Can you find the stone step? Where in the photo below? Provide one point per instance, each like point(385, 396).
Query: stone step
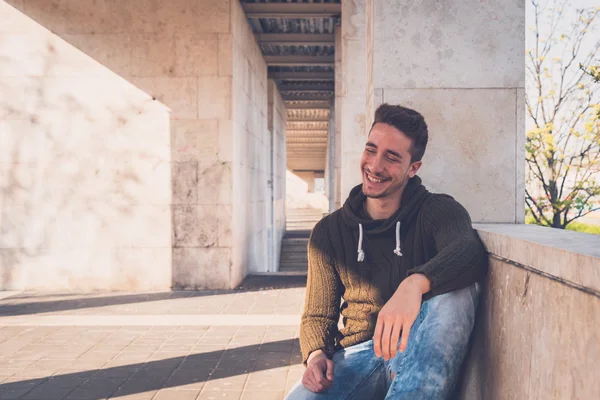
point(299, 227)
point(293, 258)
point(293, 267)
point(296, 250)
point(299, 244)
point(295, 240)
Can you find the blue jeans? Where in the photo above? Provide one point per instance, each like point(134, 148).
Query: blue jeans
point(426, 370)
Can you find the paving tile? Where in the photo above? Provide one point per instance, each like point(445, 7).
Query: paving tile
point(98, 356)
point(188, 379)
point(262, 395)
point(15, 388)
point(221, 380)
point(135, 396)
point(54, 389)
point(140, 385)
point(96, 388)
point(177, 394)
point(267, 380)
point(17, 364)
point(220, 395)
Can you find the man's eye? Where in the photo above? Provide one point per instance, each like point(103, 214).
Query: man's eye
point(370, 151)
point(392, 159)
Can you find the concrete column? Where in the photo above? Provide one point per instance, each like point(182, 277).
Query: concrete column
point(277, 116)
point(465, 74)
point(330, 171)
point(354, 87)
point(337, 196)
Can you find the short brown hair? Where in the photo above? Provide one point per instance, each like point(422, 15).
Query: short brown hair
point(409, 122)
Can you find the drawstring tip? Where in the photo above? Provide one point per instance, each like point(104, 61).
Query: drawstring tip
point(398, 252)
point(361, 256)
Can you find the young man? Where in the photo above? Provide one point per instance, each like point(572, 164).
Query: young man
point(406, 263)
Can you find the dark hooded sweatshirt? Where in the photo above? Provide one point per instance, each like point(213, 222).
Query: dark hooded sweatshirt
point(430, 234)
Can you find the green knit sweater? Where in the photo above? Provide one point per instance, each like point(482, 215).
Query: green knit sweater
point(435, 238)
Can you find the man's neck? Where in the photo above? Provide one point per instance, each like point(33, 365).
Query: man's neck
point(384, 207)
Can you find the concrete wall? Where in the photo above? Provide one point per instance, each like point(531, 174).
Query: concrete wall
point(466, 76)
point(338, 197)
point(252, 146)
point(201, 140)
point(536, 334)
point(353, 76)
point(119, 126)
point(308, 177)
point(330, 160)
point(277, 116)
point(460, 64)
point(85, 155)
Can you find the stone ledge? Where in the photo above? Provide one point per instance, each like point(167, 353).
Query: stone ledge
point(568, 255)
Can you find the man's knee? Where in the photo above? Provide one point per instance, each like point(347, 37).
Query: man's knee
point(453, 306)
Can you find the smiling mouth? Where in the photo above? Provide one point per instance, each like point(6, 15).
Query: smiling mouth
point(373, 179)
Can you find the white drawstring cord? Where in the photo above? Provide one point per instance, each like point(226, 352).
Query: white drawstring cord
point(397, 250)
point(361, 253)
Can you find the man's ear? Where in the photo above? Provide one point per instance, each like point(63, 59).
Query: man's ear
point(414, 167)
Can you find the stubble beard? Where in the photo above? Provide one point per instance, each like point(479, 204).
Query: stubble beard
point(389, 190)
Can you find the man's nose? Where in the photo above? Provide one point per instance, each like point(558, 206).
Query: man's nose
point(376, 166)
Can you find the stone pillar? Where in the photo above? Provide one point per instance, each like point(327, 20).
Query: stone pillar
point(465, 75)
point(330, 164)
point(460, 63)
point(337, 197)
point(202, 150)
point(354, 86)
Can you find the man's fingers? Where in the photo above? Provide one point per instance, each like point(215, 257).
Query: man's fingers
point(307, 381)
point(377, 337)
point(319, 373)
point(405, 336)
point(317, 377)
point(385, 339)
point(329, 374)
point(394, 339)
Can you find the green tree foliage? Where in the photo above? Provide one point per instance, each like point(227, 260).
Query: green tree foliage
point(563, 111)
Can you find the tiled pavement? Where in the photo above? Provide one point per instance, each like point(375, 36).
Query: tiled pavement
point(239, 344)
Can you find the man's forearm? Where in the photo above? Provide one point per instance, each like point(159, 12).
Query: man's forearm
point(420, 281)
point(314, 354)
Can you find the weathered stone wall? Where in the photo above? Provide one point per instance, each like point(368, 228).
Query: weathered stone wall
point(277, 122)
point(308, 177)
point(118, 132)
point(460, 64)
point(462, 67)
point(252, 146)
point(338, 197)
point(86, 110)
point(202, 142)
point(536, 335)
point(353, 74)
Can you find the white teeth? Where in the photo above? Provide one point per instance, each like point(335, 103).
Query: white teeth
point(374, 180)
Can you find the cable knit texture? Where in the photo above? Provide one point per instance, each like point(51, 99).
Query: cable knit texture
point(437, 240)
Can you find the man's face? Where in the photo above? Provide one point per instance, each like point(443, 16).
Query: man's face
point(386, 162)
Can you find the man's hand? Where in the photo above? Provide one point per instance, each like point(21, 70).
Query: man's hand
point(318, 376)
point(398, 315)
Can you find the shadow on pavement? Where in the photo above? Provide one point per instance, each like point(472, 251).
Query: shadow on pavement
point(16, 305)
point(192, 370)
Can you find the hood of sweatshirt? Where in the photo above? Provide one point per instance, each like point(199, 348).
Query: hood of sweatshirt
point(354, 216)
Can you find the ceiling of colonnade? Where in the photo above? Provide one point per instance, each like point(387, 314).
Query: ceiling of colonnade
point(297, 38)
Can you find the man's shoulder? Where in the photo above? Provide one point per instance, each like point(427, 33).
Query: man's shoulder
point(440, 204)
point(328, 222)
